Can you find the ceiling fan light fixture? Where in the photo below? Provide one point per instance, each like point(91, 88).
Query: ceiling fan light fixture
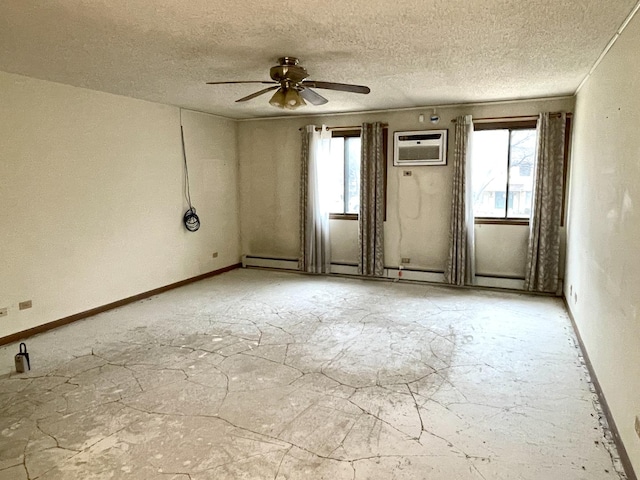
point(301, 102)
point(293, 100)
point(287, 98)
point(278, 99)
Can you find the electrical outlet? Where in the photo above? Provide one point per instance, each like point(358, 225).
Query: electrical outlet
point(407, 173)
point(637, 425)
point(405, 260)
point(215, 255)
point(4, 312)
point(24, 305)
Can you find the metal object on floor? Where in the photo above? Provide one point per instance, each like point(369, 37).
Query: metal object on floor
point(22, 359)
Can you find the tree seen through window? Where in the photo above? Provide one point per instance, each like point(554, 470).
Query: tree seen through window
point(503, 166)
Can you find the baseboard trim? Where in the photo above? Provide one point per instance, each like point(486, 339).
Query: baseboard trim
point(622, 451)
point(14, 337)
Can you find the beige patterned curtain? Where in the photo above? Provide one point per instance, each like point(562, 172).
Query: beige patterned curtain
point(315, 253)
point(460, 269)
point(371, 219)
point(543, 256)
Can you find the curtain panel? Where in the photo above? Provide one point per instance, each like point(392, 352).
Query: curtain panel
point(371, 218)
point(543, 255)
point(460, 269)
point(315, 252)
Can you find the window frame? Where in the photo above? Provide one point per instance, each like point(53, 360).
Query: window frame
point(510, 126)
point(358, 133)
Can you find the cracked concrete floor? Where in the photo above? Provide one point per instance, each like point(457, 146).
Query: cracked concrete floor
point(267, 375)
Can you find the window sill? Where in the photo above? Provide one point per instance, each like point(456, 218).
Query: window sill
point(501, 221)
point(343, 216)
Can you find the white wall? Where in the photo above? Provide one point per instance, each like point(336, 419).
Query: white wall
point(602, 279)
point(92, 203)
point(418, 206)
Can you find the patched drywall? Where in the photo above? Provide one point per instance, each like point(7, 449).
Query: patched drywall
point(92, 198)
point(418, 206)
point(603, 262)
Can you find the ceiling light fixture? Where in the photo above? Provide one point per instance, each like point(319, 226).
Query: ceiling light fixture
point(278, 99)
point(289, 79)
point(292, 99)
point(287, 98)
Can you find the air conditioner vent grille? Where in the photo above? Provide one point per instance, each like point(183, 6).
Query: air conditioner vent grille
point(420, 148)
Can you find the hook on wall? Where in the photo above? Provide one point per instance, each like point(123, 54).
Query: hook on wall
point(435, 118)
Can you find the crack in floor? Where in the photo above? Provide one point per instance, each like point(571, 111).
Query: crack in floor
point(343, 386)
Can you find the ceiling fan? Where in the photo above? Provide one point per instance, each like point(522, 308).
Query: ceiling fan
point(292, 88)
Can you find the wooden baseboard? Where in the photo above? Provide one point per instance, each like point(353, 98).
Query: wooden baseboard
point(622, 451)
point(14, 337)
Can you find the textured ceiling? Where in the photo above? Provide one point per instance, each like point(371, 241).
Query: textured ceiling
point(410, 52)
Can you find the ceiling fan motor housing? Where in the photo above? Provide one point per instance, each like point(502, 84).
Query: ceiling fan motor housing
point(288, 70)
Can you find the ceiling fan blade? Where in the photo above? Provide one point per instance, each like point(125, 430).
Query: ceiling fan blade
point(312, 97)
point(241, 81)
point(258, 93)
point(343, 87)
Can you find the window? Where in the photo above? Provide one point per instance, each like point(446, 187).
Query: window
point(344, 173)
point(344, 190)
point(503, 166)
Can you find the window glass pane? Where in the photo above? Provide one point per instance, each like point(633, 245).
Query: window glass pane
point(490, 149)
point(335, 189)
point(353, 174)
point(523, 154)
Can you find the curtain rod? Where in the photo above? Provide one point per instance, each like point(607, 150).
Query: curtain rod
point(507, 119)
point(354, 127)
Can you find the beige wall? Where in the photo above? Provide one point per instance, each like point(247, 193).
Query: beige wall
point(344, 241)
point(603, 256)
point(92, 203)
point(509, 258)
point(418, 206)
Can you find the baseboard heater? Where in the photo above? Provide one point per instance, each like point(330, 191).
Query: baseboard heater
point(281, 263)
point(494, 281)
point(431, 276)
point(413, 274)
point(408, 273)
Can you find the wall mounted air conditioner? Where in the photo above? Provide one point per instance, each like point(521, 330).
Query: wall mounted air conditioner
point(428, 147)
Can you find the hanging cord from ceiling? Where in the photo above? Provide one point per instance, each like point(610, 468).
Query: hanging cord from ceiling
point(190, 219)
